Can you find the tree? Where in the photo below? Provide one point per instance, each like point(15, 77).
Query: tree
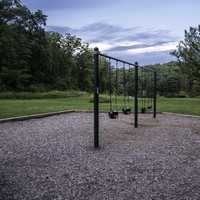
point(20, 32)
point(188, 55)
point(84, 62)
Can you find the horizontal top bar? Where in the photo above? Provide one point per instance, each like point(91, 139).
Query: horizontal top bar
point(122, 61)
point(116, 59)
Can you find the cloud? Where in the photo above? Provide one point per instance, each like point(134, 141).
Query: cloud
point(65, 4)
point(166, 47)
point(96, 32)
point(120, 40)
point(139, 46)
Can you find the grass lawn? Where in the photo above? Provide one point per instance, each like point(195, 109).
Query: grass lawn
point(180, 105)
point(12, 108)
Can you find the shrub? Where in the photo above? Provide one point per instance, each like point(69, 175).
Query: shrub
point(40, 95)
point(102, 99)
point(182, 94)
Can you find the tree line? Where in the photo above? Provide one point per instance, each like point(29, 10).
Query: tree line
point(32, 59)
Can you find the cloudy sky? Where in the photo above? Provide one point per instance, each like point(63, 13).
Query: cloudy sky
point(142, 30)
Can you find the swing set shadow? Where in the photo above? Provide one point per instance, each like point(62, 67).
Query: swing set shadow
point(137, 85)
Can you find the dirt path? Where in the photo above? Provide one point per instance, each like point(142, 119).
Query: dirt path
point(53, 158)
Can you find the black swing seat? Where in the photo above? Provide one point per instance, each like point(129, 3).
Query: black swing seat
point(143, 110)
point(113, 114)
point(149, 107)
point(126, 110)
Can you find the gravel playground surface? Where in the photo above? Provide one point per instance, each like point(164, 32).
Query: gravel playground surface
point(53, 158)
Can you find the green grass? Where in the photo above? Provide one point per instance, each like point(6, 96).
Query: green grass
point(180, 105)
point(18, 107)
point(12, 108)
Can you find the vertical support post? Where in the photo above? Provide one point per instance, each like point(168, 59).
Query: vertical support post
point(155, 95)
point(110, 86)
point(96, 98)
point(136, 95)
point(124, 87)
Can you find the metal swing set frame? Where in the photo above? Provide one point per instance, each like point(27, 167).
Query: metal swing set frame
point(113, 114)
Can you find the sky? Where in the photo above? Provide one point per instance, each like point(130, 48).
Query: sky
point(145, 31)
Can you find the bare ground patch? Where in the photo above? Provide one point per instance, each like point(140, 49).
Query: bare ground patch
point(53, 158)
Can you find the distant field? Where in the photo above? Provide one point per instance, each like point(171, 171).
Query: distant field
point(18, 107)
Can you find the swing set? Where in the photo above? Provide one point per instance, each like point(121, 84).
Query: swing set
point(146, 84)
point(113, 108)
point(132, 85)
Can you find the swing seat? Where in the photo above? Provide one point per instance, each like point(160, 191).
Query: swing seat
point(126, 110)
point(143, 110)
point(113, 114)
point(149, 107)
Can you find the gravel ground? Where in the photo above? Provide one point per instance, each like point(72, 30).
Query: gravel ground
point(53, 158)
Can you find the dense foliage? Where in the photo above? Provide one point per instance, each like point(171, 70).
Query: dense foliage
point(33, 59)
point(171, 82)
point(188, 55)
